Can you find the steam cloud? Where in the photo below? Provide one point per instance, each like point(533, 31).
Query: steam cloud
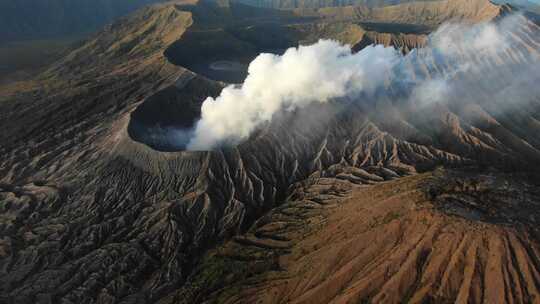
point(302, 75)
point(481, 64)
point(327, 70)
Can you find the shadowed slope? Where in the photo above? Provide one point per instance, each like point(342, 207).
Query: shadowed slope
point(22, 20)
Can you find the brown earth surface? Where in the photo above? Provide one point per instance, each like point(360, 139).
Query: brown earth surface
point(441, 237)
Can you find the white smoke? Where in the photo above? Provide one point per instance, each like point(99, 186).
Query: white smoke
point(328, 70)
point(477, 57)
point(315, 73)
point(457, 39)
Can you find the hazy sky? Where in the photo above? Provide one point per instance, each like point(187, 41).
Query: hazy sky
point(521, 1)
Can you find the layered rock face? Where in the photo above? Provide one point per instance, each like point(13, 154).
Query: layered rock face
point(92, 214)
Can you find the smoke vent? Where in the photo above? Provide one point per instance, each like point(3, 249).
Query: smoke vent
point(165, 121)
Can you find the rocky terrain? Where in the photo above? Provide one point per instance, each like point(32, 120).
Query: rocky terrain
point(337, 202)
point(440, 237)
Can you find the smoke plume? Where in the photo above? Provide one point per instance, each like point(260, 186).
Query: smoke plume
point(328, 70)
point(315, 73)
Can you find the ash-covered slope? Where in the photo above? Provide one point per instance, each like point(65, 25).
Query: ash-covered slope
point(89, 215)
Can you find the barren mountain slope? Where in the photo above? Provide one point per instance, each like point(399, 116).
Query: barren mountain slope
point(89, 215)
point(413, 12)
point(442, 237)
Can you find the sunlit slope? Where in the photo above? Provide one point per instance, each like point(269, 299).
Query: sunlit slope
point(442, 237)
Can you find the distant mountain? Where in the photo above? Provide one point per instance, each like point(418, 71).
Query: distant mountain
point(291, 4)
point(528, 5)
point(31, 19)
